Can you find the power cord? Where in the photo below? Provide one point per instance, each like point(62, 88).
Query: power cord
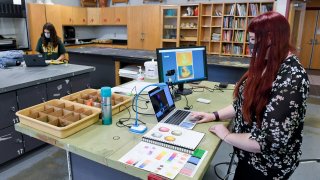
point(121, 122)
point(146, 104)
point(187, 107)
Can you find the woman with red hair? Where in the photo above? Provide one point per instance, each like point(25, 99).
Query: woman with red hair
point(269, 105)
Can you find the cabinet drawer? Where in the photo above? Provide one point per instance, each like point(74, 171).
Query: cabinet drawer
point(80, 82)
point(58, 89)
point(8, 107)
point(31, 96)
point(11, 144)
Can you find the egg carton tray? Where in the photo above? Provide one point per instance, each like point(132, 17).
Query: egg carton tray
point(92, 97)
point(59, 118)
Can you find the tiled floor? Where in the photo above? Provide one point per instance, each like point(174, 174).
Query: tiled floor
point(50, 162)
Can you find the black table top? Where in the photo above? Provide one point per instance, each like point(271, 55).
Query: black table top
point(18, 77)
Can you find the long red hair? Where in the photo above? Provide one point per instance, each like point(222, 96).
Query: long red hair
point(272, 33)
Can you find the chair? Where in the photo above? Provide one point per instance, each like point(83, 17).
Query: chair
point(230, 164)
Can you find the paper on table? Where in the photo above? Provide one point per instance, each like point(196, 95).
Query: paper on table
point(156, 159)
point(137, 86)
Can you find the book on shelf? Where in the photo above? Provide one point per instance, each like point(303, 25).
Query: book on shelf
point(217, 13)
point(227, 35)
point(239, 36)
point(241, 10)
point(173, 137)
point(232, 10)
point(216, 37)
point(254, 9)
point(226, 48)
point(227, 22)
point(239, 23)
point(266, 8)
point(237, 50)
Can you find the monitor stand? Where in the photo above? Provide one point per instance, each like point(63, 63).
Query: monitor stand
point(183, 91)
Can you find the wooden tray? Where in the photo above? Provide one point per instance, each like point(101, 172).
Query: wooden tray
point(59, 118)
point(91, 97)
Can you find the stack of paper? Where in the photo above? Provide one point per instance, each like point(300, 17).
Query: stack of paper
point(130, 71)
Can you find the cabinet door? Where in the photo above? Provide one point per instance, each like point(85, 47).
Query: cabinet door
point(79, 16)
point(11, 144)
point(58, 89)
point(31, 143)
point(93, 15)
point(80, 82)
point(36, 20)
point(31, 96)
point(28, 97)
point(107, 16)
point(8, 107)
point(135, 15)
point(120, 15)
point(53, 15)
point(66, 15)
point(150, 30)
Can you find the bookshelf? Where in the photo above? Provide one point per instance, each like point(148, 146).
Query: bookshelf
point(189, 21)
point(170, 25)
point(223, 26)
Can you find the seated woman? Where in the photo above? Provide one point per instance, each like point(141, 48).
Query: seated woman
point(50, 45)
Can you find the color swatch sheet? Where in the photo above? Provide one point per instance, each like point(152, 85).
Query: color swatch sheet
point(193, 163)
point(156, 159)
point(175, 135)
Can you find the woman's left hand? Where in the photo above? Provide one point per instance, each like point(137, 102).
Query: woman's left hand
point(220, 130)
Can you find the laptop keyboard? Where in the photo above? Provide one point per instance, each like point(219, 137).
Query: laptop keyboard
point(177, 117)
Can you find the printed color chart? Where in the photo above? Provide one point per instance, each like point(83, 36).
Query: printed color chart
point(156, 159)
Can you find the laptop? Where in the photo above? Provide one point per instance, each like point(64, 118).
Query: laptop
point(166, 111)
point(34, 60)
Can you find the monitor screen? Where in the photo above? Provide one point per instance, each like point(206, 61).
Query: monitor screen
point(182, 65)
point(161, 101)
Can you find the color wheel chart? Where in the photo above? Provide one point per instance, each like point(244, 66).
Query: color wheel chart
point(156, 159)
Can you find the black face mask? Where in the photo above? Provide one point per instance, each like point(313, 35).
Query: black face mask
point(251, 46)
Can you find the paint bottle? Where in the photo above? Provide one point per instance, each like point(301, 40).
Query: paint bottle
point(106, 106)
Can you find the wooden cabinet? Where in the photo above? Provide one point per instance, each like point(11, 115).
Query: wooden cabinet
point(93, 16)
point(107, 15)
point(39, 14)
point(66, 15)
point(188, 27)
point(143, 27)
point(79, 16)
point(36, 21)
point(120, 15)
point(53, 15)
point(73, 15)
point(169, 26)
point(113, 16)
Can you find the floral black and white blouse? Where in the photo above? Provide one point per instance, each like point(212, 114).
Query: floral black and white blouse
point(280, 134)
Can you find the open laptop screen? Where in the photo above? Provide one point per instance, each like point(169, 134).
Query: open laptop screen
point(162, 101)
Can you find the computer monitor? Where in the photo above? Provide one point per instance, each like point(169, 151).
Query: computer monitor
point(182, 65)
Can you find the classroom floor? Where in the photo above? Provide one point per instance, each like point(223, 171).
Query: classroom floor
point(49, 162)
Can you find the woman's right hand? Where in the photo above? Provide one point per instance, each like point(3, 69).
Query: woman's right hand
point(202, 117)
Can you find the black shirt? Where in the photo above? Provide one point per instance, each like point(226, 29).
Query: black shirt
point(280, 134)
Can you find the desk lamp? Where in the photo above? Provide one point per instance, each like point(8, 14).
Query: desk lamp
point(139, 128)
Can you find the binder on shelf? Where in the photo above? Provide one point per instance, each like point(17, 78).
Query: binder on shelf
point(173, 137)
